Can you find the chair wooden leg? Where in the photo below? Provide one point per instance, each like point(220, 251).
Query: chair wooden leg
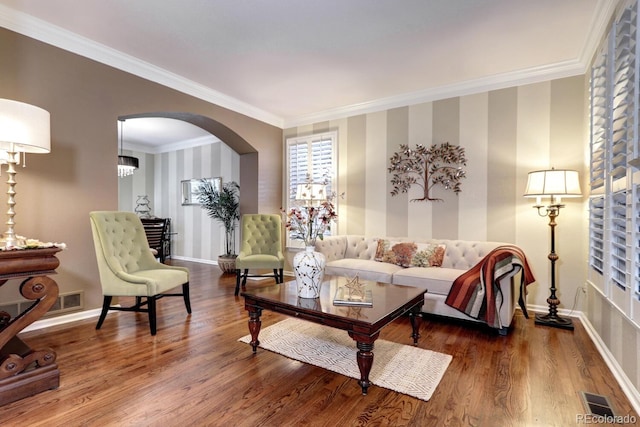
point(105, 308)
point(238, 274)
point(282, 275)
point(276, 275)
point(244, 277)
point(185, 295)
point(151, 303)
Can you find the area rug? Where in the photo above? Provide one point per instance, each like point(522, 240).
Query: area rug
point(403, 368)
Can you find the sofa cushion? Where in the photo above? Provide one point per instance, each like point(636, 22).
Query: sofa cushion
point(365, 269)
point(435, 280)
point(428, 255)
point(393, 252)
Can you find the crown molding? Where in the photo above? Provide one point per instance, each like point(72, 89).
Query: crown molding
point(605, 10)
point(45, 32)
point(497, 81)
point(174, 146)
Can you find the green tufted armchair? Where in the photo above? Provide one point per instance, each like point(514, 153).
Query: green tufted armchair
point(261, 247)
point(127, 266)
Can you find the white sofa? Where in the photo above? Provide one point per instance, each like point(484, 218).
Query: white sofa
point(348, 255)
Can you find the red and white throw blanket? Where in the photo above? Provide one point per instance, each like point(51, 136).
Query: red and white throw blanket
point(477, 292)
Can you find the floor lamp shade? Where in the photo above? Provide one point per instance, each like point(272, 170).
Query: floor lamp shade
point(553, 183)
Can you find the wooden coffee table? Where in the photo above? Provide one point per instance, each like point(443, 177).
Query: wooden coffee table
point(362, 323)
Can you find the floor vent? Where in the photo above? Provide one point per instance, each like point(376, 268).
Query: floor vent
point(597, 404)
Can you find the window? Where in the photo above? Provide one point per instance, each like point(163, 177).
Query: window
point(312, 159)
point(614, 207)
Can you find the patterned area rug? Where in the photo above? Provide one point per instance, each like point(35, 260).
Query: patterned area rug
point(402, 368)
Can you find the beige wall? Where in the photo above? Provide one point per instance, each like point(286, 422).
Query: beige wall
point(505, 133)
point(57, 191)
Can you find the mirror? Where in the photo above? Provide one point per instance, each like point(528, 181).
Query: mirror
point(190, 189)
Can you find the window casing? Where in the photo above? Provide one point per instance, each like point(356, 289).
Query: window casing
point(311, 158)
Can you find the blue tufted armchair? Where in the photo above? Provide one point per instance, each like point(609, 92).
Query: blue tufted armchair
point(261, 247)
point(127, 266)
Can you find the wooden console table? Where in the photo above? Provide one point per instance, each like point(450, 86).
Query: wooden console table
point(23, 370)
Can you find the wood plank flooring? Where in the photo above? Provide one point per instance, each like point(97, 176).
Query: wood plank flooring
point(194, 372)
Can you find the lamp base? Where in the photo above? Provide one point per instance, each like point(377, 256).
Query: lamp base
point(554, 321)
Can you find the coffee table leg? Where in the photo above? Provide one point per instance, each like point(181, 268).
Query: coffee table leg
point(365, 360)
point(254, 326)
point(415, 324)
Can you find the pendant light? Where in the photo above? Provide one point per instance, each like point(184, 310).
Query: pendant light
point(126, 164)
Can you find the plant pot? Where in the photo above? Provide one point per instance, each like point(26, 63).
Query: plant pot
point(308, 267)
point(227, 263)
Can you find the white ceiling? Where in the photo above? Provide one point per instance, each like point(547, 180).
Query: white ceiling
point(158, 134)
point(291, 62)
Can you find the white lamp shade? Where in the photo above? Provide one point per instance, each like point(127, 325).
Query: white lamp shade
point(24, 127)
point(553, 183)
point(310, 192)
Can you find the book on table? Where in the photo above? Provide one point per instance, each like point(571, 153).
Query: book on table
point(343, 297)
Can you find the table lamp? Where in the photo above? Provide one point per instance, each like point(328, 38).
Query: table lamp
point(24, 128)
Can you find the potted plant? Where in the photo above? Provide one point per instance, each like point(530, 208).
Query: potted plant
point(223, 205)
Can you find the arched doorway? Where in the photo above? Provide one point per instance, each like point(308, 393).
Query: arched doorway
point(224, 153)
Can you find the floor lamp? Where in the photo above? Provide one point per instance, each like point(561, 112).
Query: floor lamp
point(24, 128)
point(555, 184)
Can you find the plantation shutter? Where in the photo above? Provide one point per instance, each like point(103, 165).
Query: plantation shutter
point(599, 107)
point(614, 206)
point(618, 239)
point(298, 167)
point(596, 234)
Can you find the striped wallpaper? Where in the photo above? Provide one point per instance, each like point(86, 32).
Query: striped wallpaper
point(506, 133)
point(198, 237)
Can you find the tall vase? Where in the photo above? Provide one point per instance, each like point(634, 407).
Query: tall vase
point(308, 267)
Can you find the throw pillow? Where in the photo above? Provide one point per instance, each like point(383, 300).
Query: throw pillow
point(399, 253)
point(429, 255)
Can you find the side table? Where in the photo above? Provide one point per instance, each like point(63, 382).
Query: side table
point(25, 371)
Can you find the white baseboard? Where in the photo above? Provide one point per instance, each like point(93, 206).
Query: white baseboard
point(201, 261)
point(61, 320)
point(561, 311)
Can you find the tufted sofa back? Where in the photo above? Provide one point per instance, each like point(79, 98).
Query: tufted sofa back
point(464, 254)
point(459, 254)
point(120, 238)
point(261, 234)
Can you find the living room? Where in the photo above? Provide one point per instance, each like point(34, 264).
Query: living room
point(507, 129)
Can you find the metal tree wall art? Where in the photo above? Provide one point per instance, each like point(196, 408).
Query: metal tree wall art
point(427, 167)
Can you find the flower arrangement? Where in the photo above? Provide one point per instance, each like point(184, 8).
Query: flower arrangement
point(308, 223)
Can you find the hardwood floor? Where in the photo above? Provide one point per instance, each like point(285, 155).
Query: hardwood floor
point(194, 372)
